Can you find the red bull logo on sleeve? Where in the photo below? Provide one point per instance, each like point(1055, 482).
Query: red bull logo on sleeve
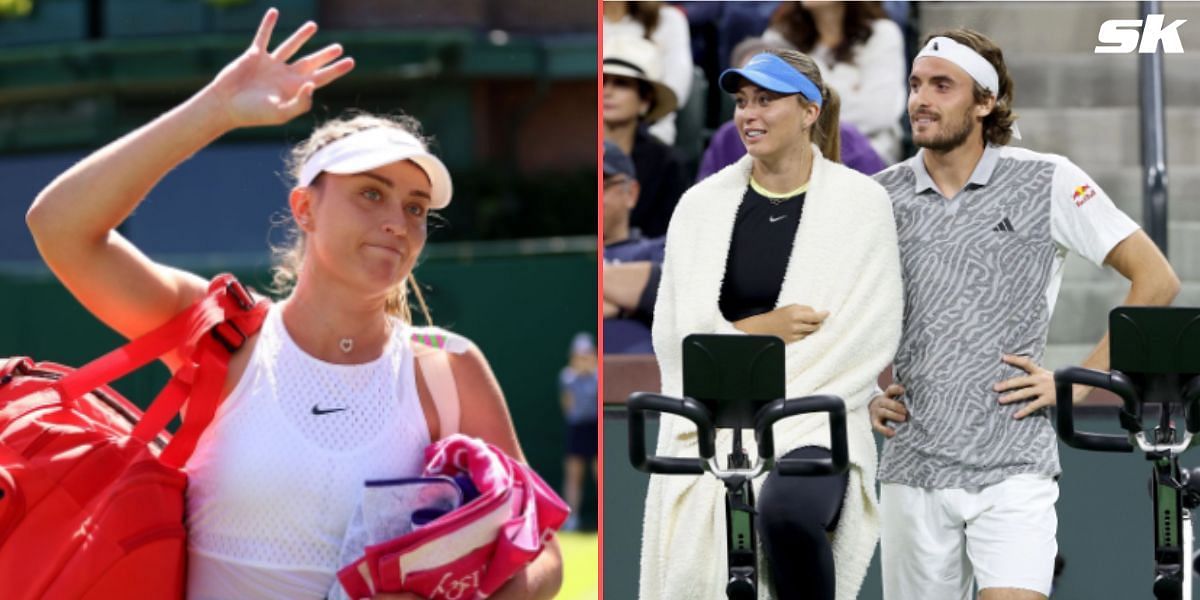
point(1083, 193)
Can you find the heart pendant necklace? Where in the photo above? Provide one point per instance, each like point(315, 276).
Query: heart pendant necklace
point(347, 343)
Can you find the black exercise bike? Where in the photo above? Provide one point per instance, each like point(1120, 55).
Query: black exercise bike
point(736, 382)
point(1155, 360)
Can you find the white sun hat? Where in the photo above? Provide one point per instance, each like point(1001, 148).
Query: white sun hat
point(637, 58)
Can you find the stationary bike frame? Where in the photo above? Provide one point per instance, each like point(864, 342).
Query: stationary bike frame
point(1161, 377)
point(718, 406)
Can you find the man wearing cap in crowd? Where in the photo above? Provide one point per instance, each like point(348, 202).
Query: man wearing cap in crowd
point(634, 98)
point(969, 469)
point(632, 263)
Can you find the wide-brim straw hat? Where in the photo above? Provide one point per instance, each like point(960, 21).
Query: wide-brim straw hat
point(637, 58)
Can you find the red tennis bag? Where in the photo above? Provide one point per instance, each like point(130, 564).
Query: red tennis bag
point(91, 490)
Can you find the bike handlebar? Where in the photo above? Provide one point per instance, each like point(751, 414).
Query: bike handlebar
point(1115, 382)
point(642, 402)
point(782, 409)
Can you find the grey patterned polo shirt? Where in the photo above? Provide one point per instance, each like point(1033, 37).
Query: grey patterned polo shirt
point(981, 274)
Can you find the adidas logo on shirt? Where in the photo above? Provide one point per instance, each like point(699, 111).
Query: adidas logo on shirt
point(1004, 225)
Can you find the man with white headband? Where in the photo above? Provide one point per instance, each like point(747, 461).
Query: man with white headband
point(969, 470)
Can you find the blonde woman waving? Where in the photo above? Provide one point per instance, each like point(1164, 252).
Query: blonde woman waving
point(325, 395)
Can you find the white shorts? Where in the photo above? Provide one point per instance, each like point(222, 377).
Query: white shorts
point(935, 542)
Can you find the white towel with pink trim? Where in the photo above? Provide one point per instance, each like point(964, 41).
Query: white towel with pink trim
point(471, 551)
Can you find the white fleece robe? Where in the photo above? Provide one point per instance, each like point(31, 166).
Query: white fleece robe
point(845, 260)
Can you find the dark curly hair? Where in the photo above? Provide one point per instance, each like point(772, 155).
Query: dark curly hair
point(797, 27)
point(998, 125)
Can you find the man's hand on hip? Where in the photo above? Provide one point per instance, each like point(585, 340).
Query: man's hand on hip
point(1035, 388)
point(886, 408)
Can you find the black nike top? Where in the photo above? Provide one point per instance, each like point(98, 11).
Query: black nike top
point(763, 235)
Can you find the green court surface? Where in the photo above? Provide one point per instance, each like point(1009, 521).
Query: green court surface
point(580, 567)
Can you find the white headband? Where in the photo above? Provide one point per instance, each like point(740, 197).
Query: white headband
point(970, 61)
point(975, 65)
point(371, 148)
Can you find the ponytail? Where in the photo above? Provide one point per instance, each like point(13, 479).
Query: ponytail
point(826, 132)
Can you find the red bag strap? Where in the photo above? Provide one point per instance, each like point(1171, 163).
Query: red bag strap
point(211, 366)
point(209, 332)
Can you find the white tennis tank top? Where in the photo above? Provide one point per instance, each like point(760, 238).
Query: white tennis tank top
point(276, 477)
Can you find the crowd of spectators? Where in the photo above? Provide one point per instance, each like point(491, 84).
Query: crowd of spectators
point(657, 55)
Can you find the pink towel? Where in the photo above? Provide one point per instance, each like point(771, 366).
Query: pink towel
point(471, 551)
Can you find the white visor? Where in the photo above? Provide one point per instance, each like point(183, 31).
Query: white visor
point(372, 148)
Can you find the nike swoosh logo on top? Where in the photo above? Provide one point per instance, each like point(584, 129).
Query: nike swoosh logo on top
point(779, 218)
point(316, 410)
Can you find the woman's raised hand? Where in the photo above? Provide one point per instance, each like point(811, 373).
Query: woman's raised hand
point(260, 87)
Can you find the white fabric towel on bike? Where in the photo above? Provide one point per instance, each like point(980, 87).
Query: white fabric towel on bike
point(845, 260)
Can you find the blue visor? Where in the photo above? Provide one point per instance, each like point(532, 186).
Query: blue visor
point(772, 73)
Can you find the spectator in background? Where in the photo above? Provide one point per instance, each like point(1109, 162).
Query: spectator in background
point(667, 28)
point(718, 27)
point(726, 146)
point(632, 263)
point(634, 97)
point(905, 14)
point(578, 386)
point(861, 54)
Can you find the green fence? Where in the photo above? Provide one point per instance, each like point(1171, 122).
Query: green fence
point(86, 93)
point(519, 301)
